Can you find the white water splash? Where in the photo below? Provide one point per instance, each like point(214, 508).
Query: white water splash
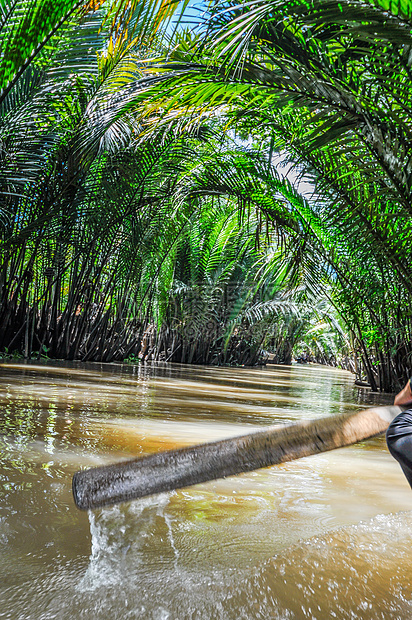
point(121, 531)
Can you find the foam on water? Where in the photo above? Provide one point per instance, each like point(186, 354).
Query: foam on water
point(361, 572)
point(356, 572)
point(142, 565)
point(118, 531)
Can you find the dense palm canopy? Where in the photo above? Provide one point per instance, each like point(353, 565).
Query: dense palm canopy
point(139, 185)
point(328, 86)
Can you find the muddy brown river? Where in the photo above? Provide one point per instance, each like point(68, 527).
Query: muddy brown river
point(329, 536)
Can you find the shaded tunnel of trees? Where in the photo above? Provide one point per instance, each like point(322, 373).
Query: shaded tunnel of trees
point(221, 188)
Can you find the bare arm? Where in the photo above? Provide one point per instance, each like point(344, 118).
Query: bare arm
point(405, 396)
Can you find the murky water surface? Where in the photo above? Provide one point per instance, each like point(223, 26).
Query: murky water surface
point(329, 536)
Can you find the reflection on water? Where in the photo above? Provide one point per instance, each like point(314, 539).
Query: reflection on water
point(318, 538)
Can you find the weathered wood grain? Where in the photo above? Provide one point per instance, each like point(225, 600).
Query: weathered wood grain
point(184, 467)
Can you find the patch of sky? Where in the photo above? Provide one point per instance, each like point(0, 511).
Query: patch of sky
point(288, 170)
point(189, 15)
point(285, 167)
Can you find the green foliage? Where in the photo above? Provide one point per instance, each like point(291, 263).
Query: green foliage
point(130, 205)
point(25, 27)
point(399, 8)
point(93, 216)
point(328, 85)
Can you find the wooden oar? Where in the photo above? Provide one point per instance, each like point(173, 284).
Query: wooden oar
point(174, 469)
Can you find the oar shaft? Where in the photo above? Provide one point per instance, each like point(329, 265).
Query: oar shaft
point(166, 471)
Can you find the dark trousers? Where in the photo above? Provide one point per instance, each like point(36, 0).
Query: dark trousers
point(399, 440)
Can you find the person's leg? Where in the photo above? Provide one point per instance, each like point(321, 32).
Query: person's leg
point(399, 440)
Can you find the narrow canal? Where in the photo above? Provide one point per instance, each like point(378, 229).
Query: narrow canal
point(328, 536)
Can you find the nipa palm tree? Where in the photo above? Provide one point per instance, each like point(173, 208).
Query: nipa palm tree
point(329, 85)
